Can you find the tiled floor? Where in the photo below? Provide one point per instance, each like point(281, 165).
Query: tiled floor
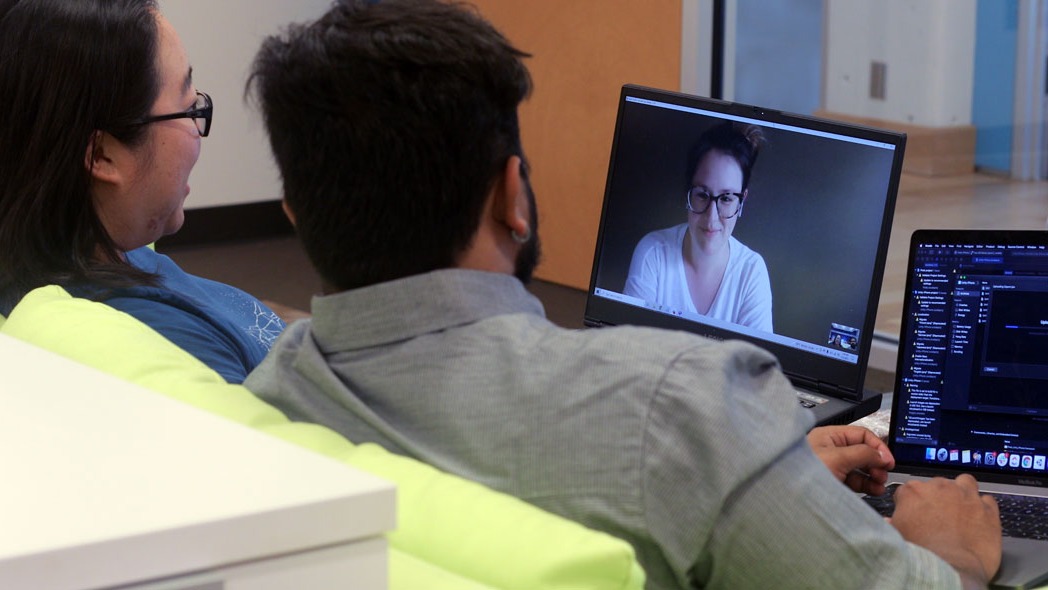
point(970, 201)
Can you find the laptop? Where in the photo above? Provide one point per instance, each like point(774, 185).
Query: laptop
point(971, 388)
point(817, 211)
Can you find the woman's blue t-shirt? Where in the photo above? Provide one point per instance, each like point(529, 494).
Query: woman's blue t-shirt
point(226, 328)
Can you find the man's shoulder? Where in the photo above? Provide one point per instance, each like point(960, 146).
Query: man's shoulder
point(679, 363)
point(639, 346)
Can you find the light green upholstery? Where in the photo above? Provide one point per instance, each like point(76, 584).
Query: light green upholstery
point(452, 533)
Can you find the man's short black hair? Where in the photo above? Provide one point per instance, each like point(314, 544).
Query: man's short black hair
point(390, 121)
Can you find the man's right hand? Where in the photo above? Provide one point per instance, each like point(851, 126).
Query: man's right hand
point(950, 518)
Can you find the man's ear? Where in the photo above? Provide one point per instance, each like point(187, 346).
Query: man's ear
point(513, 208)
point(288, 212)
point(100, 160)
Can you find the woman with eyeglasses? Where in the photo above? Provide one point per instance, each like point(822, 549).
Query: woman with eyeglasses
point(698, 267)
point(99, 129)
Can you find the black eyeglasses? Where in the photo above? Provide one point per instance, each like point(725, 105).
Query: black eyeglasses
point(728, 204)
point(200, 113)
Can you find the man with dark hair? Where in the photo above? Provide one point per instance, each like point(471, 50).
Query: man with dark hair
point(394, 125)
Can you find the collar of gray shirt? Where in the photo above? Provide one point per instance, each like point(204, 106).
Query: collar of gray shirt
point(401, 309)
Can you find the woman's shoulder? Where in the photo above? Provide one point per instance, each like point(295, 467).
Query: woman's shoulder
point(665, 236)
point(149, 260)
point(747, 264)
point(743, 254)
point(660, 245)
point(174, 278)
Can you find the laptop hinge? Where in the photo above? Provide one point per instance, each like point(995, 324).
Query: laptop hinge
point(820, 387)
point(835, 391)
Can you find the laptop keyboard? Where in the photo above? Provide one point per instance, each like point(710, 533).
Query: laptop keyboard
point(1025, 517)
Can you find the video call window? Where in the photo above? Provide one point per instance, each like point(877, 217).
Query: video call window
point(804, 222)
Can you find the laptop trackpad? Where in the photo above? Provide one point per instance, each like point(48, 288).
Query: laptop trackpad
point(1024, 564)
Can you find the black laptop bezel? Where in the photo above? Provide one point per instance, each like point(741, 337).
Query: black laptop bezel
point(797, 364)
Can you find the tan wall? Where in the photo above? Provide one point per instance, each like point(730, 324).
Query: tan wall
point(583, 52)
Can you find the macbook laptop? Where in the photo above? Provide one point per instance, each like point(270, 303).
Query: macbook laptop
point(817, 212)
point(971, 389)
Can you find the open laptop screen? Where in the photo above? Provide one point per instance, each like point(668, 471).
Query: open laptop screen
point(972, 381)
point(817, 213)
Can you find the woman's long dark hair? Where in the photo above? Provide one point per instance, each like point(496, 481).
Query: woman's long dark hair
point(68, 69)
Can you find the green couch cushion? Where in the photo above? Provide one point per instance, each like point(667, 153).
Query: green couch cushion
point(407, 572)
point(475, 536)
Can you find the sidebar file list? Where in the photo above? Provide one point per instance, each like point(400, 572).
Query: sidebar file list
point(932, 340)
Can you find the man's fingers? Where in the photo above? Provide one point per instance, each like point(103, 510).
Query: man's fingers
point(861, 457)
point(862, 482)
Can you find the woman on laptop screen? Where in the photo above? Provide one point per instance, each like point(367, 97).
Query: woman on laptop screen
point(697, 267)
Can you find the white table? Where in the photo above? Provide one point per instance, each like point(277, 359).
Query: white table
point(105, 484)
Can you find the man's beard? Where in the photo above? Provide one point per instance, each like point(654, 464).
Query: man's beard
point(531, 251)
